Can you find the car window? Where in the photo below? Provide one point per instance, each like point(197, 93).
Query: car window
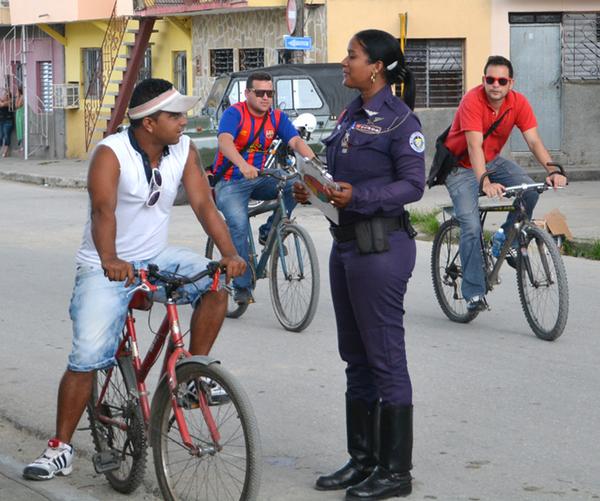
point(297, 94)
point(236, 93)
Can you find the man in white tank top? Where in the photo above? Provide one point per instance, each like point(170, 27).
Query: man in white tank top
point(132, 182)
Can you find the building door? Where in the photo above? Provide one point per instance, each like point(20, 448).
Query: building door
point(535, 55)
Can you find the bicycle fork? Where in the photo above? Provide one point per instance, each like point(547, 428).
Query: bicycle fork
point(178, 353)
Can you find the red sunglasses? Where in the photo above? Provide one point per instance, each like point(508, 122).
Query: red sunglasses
point(501, 81)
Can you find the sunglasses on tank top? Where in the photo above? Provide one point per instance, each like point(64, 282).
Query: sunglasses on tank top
point(501, 81)
point(154, 188)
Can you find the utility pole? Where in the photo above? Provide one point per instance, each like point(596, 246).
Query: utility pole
point(299, 31)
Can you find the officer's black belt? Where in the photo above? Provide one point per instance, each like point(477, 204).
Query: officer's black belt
point(347, 232)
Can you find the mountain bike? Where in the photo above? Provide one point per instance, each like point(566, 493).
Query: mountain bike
point(541, 275)
point(206, 444)
point(288, 259)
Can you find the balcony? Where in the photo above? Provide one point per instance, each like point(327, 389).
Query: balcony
point(64, 11)
point(166, 7)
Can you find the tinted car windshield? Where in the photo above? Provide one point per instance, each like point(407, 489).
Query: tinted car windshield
point(216, 95)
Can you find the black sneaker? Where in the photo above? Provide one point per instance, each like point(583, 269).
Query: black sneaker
point(243, 296)
point(477, 303)
point(262, 238)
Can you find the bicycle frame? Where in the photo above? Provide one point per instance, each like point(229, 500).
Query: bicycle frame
point(273, 238)
point(170, 326)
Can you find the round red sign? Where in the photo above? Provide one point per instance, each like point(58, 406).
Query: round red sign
point(291, 14)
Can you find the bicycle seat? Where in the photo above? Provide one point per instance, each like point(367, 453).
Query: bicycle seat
point(140, 301)
point(267, 206)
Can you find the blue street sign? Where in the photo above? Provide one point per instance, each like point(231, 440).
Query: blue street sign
point(297, 43)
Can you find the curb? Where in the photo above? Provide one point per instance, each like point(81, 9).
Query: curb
point(52, 181)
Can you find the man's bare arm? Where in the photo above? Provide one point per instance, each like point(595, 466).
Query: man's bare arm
point(477, 159)
point(103, 181)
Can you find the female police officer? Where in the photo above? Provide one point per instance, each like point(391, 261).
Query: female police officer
point(376, 156)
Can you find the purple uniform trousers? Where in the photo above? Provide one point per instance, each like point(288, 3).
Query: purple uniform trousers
point(368, 299)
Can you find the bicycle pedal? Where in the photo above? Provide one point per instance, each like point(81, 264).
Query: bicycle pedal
point(106, 461)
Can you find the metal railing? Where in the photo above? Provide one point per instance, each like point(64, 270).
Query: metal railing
point(139, 5)
point(113, 39)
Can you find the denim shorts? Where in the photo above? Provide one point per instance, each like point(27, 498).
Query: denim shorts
point(99, 307)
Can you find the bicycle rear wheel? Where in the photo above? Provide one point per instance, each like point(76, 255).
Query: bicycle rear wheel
point(294, 278)
point(543, 287)
point(446, 273)
point(229, 469)
point(126, 436)
point(234, 310)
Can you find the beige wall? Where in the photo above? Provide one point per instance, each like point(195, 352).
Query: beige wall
point(501, 8)
point(60, 11)
point(468, 19)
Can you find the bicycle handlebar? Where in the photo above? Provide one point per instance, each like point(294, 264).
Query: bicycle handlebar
point(560, 171)
point(277, 174)
point(213, 269)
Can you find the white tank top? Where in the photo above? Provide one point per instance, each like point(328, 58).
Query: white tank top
point(142, 232)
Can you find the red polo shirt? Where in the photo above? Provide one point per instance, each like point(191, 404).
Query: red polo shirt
point(476, 114)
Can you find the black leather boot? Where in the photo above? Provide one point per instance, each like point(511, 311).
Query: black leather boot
point(391, 477)
point(360, 424)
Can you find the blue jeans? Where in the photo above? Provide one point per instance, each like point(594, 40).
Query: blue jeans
point(99, 307)
point(232, 200)
point(5, 132)
point(464, 191)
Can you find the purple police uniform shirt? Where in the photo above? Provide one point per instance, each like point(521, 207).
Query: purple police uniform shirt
point(378, 149)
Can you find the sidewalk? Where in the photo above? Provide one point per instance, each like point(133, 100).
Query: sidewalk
point(580, 202)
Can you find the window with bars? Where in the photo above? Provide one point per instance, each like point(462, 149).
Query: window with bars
point(180, 71)
point(251, 58)
point(92, 72)
point(44, 78)
point(221, 61)
point(146, 67)
point(581, 46)
point(439, 71)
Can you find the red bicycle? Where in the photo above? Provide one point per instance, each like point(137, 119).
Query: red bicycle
point(200, 425)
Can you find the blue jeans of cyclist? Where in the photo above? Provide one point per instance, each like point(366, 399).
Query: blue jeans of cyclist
point(232, 200)
point(464, 191)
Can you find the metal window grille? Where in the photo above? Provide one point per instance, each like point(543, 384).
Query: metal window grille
point(221, 61)
point(438, 69)
point(45, 85)
point(92, 80)
point(581, 46)
point(180, 71)
point(146, 67)
point(251, 58)
point(534, 17)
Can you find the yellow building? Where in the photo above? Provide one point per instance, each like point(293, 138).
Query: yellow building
point(168, 56)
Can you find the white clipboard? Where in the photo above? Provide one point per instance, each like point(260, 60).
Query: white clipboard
point(315, 177)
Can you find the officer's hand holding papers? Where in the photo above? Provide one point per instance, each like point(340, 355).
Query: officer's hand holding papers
point(317, 181)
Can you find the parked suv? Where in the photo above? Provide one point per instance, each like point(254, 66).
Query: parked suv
point(299, 88)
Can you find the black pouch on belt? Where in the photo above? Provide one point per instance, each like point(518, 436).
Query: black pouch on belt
point(372, 236)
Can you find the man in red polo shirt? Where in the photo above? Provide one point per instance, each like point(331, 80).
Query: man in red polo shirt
point(478, 110)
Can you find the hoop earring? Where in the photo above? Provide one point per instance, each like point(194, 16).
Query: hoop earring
point(373, 77)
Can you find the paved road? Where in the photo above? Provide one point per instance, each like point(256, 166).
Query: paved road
point(499, 415)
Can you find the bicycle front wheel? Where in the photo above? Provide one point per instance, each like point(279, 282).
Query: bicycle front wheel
point(117, 424)
point(225, 469)
point(446, 273)
point(234, 310)
point(542, 282)
point(294, 278)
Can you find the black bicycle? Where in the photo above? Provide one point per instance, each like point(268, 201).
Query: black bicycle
point(288, 259)
point(541, 275)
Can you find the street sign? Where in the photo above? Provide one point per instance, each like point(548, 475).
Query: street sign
point(297, 43)
point(291, 15)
